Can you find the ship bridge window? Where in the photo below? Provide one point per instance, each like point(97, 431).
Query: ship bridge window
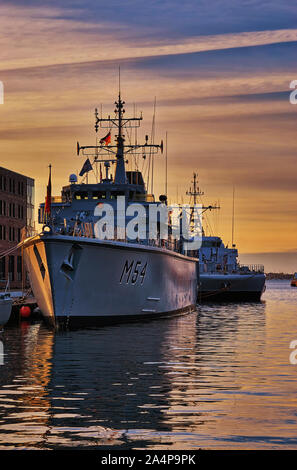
point(98, 195)
point(81, 195)
point(211, 244)
point(115, 194)
point(206, 244)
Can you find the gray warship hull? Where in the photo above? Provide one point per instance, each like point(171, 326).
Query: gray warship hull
point(231, 287)
point(5, 310)
point(78, 279)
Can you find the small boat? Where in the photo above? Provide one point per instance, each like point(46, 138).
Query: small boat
point(294, 280)
point(5, 305)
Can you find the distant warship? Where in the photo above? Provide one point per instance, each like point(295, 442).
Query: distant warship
point(221, 276)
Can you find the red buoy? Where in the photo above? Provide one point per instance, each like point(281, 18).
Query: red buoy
point(25, 311)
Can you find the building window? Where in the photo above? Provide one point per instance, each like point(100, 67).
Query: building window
point(20, 188)
point(3, 183)
point(2, 232)
point(11, 234)
point(2, 208)
point(11, 209)
point(19, 268)
point(2, 268)
point(11, 268)
point(11, 185)
point(20, 212)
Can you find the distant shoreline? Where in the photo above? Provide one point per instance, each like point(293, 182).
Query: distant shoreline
point(278, 276)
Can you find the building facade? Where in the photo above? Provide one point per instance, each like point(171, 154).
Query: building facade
point(16, 215)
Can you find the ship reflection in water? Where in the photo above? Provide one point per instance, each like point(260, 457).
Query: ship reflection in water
point(216, 378)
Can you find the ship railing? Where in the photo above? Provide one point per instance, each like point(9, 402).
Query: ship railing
point(160, 243)
point(86, 230)
point(248, 268)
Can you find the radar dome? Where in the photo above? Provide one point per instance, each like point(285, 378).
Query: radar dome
point(73, 178)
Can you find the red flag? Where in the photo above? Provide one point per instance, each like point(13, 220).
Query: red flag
point(47, 207)
point(106, 140)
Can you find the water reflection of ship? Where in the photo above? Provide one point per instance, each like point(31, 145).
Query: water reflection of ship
point(112, 382)
point(88, 387)
point(210, 362)
point(97, 388)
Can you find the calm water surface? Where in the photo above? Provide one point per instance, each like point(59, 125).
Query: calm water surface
point(218, 378)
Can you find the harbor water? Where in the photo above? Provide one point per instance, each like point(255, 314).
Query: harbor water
point(219, 378)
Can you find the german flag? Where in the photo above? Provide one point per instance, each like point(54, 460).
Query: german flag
point(106, 140)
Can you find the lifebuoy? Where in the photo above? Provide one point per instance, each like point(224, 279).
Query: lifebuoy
point(47, 229)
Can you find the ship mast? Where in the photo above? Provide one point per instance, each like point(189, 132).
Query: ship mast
point(120, 175)
point(120, 149)
point(195, 192)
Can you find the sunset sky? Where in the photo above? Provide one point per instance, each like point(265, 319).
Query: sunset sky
point(220, 72)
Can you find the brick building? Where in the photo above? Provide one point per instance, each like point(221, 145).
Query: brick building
point(16, 212)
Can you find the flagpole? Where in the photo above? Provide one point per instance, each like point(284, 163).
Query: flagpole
point(50, 177)
point(47, 206)
point(166, 172)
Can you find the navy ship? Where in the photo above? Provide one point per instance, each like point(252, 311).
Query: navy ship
point(221, 276)
point(83, 270)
